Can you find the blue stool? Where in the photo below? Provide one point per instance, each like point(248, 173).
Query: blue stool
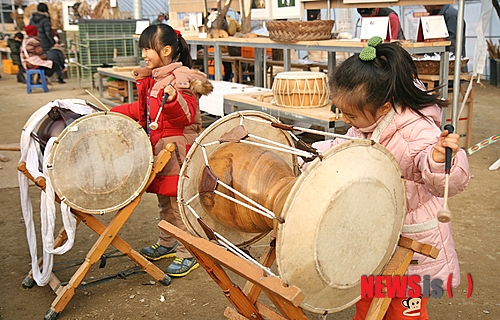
point(29, 78)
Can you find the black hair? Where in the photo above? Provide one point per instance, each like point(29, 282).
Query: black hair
point(391, 77)
point(19, 35)
point(42, 7)
point(159, 36)
point(365, 11)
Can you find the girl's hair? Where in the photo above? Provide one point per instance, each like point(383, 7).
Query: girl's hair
point(390, 77)
point(159, 36)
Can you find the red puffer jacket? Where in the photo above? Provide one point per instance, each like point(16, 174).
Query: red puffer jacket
point(175, 116)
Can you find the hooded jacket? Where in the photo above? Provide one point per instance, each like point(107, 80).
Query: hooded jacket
point(41, 20)
point(411, 138)
point(179, 121)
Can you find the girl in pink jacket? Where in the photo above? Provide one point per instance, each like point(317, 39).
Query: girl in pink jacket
point(381, 99)
point(167, 108)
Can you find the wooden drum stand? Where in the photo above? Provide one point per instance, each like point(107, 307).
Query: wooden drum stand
point(108, 235)
point(286, 299)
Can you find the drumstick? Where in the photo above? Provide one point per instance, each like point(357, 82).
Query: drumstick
point(154, 125)
point(444, 215)
point(102, 104)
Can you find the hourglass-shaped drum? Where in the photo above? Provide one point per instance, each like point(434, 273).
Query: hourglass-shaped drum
point(338, 220)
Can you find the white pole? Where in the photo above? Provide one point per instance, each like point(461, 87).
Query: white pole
point(458, 60)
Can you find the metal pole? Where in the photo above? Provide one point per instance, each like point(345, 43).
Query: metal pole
point(1, 16)
point(137, 9)
point(458, 60)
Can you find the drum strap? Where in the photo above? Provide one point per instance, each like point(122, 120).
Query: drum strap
point(377, 133)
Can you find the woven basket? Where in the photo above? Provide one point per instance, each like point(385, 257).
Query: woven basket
point(291, 31)
point(432, 66)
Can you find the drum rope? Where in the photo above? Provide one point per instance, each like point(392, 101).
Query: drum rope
point(265, 212)
point(285, 150)
point(231, 247)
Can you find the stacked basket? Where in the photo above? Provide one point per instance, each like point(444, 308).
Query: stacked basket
point(292, 31)
point(431, 66)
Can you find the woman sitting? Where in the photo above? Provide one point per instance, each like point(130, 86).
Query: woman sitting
point(33, 56)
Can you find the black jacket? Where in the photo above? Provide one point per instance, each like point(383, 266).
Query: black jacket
point(41, 20)
point(15, 51)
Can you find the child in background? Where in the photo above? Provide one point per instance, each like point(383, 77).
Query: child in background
point(168, 74)
point(15, 53)
point(380, 96)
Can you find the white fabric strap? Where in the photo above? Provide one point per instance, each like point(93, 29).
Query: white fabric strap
point(421, 227)
point(31, 154)
point(377, 133)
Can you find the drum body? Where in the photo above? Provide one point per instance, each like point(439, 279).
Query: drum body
point(301, 89)
point(247, 228)
point(100, 162)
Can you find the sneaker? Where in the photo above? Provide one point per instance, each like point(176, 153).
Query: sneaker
point(60, 80)
point(181, 267)
point(157, 251)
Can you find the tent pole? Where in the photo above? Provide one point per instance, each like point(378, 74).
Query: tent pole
point(458, 59)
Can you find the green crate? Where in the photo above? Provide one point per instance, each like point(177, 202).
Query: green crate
point(98, 39)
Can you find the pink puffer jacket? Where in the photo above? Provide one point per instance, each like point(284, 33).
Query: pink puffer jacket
point(410, 138)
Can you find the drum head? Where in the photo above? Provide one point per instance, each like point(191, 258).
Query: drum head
point(194, 164)
point(100, 162)
point(343, 218)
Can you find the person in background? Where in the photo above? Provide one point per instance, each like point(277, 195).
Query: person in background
point(41, 20)
point(167, 108)
point(15, 52)
point(450, 15)
point(381, 98)
point(56, 55)
point(33, 56)
point(162, 18)
point(396, 30)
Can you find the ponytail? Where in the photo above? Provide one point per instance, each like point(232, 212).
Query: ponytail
point(183, 53)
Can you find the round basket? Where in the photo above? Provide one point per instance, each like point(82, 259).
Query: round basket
point(432, 66)
point(291, 31)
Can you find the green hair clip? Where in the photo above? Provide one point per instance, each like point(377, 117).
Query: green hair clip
point(369, 53)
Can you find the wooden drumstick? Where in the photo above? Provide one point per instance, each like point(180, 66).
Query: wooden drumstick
point(154, 125)
point(100, 102)
point(444, 215)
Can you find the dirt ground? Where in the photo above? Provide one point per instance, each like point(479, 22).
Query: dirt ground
point(197, 296)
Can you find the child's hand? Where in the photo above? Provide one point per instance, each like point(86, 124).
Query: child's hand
point(170, 90)
point(445, 140)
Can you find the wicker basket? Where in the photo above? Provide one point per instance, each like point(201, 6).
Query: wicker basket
point(291, 31)
point(432, 66)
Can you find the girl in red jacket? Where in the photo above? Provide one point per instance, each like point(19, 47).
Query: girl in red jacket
point(167, 108)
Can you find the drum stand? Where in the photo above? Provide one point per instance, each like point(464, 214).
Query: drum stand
point(285, 298)
point(108, 236)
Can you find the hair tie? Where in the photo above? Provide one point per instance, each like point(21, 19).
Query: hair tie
point(369, 52)
point(177, 33)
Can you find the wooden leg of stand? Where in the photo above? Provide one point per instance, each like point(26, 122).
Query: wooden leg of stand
point(98, 227)
point(286, 298)
point(397, 266)
point(64, 294)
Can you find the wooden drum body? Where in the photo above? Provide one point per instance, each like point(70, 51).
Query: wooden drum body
point(100, 162)
point(337, 221)
point(301, 89)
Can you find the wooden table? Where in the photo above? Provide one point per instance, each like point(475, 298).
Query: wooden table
point(122, 75)
point(322, 116)
point(331, 46)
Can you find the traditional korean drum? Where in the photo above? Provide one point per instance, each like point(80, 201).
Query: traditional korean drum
point(301, 89)
point(338, 220)
point(100, 162)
